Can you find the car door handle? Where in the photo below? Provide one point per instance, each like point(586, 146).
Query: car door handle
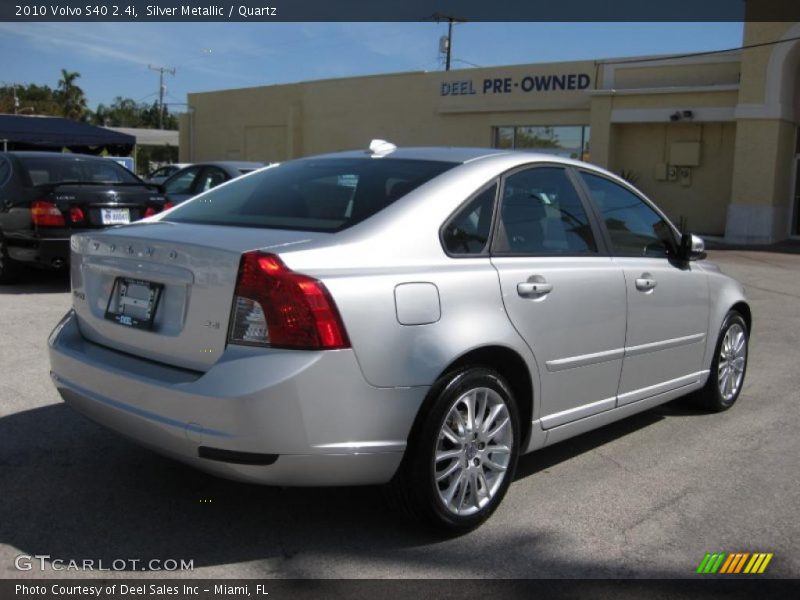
point(645, 284)
point(530, 288)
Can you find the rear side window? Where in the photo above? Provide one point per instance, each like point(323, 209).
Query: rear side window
point(468, 232)
point(182, 183)
point(312, 194)
point(634, 227)
point(541, 213)
point(70, 169)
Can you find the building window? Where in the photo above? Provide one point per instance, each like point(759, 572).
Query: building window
point(570, 141)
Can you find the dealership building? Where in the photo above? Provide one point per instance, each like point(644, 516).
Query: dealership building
point(712, 138)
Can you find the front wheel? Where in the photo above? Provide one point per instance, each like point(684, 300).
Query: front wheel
point(728, 368)
point(462, 458)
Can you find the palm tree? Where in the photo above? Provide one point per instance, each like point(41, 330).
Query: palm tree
point(71, 96)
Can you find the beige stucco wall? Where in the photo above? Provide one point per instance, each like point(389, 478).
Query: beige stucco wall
point(768, 113)
point(655, 75)
point(755, 61)
point(701, 205)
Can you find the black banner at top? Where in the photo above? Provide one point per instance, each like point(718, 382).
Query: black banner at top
point(397, 10)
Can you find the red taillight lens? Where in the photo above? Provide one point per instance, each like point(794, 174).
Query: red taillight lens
point(149, 212)
point(274, 306)
point(168, 205)
point(46, 214)
point(76, 214)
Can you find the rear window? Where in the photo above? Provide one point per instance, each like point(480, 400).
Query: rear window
point(54, 169)
point(310, 195)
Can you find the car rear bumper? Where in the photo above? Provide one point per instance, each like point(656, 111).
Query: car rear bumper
point(267, 416)
point(50, 252)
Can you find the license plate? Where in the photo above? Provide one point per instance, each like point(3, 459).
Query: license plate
point(133, 302)
point(115, 216)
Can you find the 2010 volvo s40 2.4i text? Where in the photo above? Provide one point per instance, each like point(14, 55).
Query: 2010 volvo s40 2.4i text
point(416, 316)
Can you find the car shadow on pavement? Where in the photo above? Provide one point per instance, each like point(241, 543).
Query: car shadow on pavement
point(39, 282)
point(74, 491)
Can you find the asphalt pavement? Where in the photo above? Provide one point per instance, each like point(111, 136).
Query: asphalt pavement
point(645, 497)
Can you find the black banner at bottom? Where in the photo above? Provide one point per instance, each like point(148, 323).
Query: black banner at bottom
point(369, 589)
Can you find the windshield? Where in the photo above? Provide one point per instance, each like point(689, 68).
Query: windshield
point(310, 195)
point(71, 169)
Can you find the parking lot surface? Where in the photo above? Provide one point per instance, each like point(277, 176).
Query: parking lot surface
point(645, 497)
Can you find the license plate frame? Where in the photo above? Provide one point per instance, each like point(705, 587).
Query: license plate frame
point(133, 302)
point(115, 216)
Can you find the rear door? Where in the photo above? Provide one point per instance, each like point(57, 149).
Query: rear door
point(562, 292)
point(667, 299)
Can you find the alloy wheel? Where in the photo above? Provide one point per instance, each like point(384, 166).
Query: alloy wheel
point(473, 451)
point(731, 364)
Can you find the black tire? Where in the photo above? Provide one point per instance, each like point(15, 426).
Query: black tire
point(9, 269)
point(711, 396)
point(415, 488)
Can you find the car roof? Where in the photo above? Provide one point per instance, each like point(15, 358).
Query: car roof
point(456, 154)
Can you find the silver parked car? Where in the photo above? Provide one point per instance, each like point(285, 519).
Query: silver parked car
point(417, 316)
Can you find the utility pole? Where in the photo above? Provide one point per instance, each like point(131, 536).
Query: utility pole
point(439, 17)
point(161, 88)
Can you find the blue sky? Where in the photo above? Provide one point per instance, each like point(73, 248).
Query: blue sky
point(112, 58)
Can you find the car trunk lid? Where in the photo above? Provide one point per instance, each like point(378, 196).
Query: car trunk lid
point(101, 205)
point(186, 273)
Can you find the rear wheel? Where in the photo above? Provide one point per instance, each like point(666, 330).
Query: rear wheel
point(463, 456)
point(728, 368)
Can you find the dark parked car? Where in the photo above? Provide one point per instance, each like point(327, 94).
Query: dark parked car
point(201, 177)
point(45, 197)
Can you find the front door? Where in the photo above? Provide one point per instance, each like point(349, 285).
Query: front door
point(564, 297)
point(667, 299)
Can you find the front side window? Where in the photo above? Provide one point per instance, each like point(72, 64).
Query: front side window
point(634, 227)
point(468, 231)
point(541, 213)
point(312, 194)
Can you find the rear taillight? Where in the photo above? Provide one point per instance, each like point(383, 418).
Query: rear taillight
point(76, 214)
point(274, 306)
point(150, 211)
point(46, 214)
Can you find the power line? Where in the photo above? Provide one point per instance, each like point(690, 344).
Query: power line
point(692, 54)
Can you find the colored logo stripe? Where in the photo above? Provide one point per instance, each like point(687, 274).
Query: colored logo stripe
point(734, 563)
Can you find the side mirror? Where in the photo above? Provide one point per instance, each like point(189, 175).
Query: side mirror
point(692, 247)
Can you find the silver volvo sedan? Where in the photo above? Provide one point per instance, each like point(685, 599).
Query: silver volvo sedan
point(417, 316)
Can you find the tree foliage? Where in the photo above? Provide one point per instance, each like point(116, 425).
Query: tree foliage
point(125, 112)
point(69, 100)
point(71, 96)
